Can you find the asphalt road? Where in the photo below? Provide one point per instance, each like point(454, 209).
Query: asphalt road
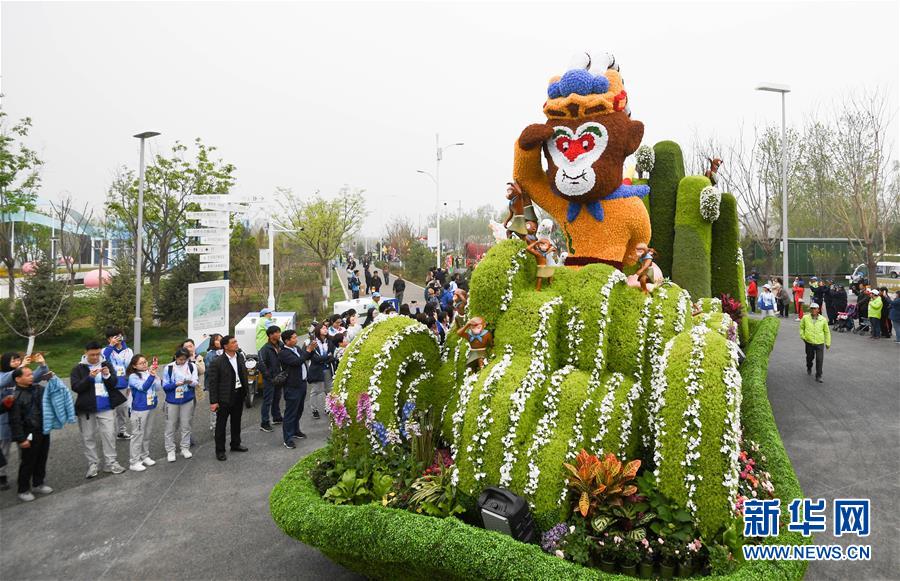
point(843, 438)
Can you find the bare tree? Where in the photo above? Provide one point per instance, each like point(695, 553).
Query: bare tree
point(400, 234)
point(73, 228)
point(865, 205)
point(323, 226)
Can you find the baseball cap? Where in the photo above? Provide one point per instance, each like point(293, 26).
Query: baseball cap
point(376, 294)
point(814, 306)
point(265, 312)
point(766, 285)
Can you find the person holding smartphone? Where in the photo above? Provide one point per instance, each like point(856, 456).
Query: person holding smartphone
point(179, 381)
point(143, 380)
point(119, 355)
point(9, 362)
point(95, 384)
point(26, 422)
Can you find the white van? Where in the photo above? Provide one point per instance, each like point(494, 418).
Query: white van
point(882, 269)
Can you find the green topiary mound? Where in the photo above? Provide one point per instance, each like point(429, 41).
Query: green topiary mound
point(571, 368)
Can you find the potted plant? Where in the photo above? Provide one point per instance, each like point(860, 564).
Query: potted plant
point(607, 551)
point(648, 559)
point(629, 557)
point(668, 558)
point(688, 559)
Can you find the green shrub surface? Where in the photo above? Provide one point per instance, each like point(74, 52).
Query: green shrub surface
point(385, 543)
point(693, 239)
point(489, 280)
point(727, 276)
point(664, 179)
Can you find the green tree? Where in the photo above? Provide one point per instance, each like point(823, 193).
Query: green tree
point(116, 305)
point(19, 181)
point(43, 306)
point(168, 183)
point(173, 305)
point(323, 226)
point(420, 259)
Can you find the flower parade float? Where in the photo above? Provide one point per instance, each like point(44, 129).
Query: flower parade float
point(633, 423)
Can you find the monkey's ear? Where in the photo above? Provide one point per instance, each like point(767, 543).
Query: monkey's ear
point(635, 134)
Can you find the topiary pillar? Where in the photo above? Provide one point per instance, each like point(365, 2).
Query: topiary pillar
point(727, 265)
point(667, 173)
point(693, 240)
point(695, 416)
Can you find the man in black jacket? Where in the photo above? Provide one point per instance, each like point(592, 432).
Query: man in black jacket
point(293, 361)
point(227, 388)
point(269, 368)
point(26, 426)
point(94, 382)
point(399, 288)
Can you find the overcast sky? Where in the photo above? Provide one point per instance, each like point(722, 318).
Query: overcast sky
point(312, 96)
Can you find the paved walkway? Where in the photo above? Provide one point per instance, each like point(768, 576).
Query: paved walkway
point(413, 291)
point(843, 438)
point(192, 519)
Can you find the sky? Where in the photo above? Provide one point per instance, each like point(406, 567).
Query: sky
point(312, 96)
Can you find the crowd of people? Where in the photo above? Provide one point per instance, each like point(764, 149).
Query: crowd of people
point(875, 313)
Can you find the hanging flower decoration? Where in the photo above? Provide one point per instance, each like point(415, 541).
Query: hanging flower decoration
point(645, 159)
point(483, 422)
point(465, 393)
point(637, 388)
point(658, 385)
point(575, 335)
point(731, 437)
point(710, 199)
point(692, 429)
point(515, 265)
point(545, 428)
point(536, 374)
point(606, 410)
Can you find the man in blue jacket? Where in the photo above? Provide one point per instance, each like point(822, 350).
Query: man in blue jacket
point(119, 355)
point(293, 360)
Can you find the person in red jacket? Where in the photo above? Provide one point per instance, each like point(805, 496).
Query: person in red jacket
point(798, 291)
point(752, 292)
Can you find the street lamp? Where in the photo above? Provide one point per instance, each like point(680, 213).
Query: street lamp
point(784, 90)
point(436, 178)
point(139, 244)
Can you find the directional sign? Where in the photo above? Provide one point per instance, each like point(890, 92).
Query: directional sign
point(215, 240)
point(216, 206)
point(214, 222)
point(214, 257)
point(208, 232)
point(202, 215)
point(264, 256)
point(214, 267)
point(205, 198)
point(199, 249)
point(252, 198)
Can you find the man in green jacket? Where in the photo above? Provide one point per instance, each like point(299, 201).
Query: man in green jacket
point(815, 333)
point(875, 305)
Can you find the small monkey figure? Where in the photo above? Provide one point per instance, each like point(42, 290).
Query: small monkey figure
point(479, 340)
point(541, 249)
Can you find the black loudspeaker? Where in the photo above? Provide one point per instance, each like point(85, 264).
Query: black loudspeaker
point(506, 513)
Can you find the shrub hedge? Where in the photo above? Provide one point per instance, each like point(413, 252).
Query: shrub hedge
point(693, 239)
point(385, 543)
point(664, 179)
point(727, 276)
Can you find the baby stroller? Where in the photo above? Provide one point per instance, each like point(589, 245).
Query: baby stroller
point(844, 321)
point(863, 327)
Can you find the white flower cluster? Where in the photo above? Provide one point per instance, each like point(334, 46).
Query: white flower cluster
point(465, 393)
point(637, 388)
point(645, 159)
point(731, 437)
point(606, 410)
point(684, 311)
point(576, 335)
point(740, 258)
point(352, 353)
point(514, 266)
point(545, 428)
point(692, 429)
point(482, 432)
point(710, 198)
point(658, 385)
point(412, 391)
point(535, 376)
point(600, 358)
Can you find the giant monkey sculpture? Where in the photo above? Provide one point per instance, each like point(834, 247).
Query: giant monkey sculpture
point(587, 136)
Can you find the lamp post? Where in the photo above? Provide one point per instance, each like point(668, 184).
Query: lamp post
point(436, 178)
point(784, 90)
point(139, 244)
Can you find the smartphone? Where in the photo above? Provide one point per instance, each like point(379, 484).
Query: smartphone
point(155, 361)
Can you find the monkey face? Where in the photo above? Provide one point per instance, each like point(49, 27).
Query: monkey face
point(585, 155)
